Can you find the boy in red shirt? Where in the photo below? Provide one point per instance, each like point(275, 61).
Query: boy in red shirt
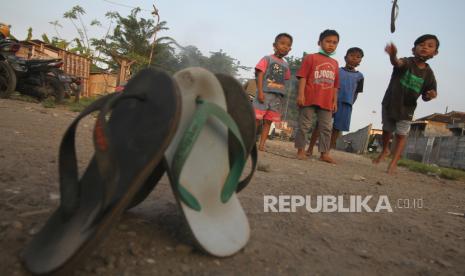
point(317, 95)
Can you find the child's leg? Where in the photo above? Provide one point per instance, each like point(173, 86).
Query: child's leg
point(386, 138)
point(389, 126)
point(315, 135)
point(334, 135)
point(260, 111)
point(402, 130)
point(264, 135)
point(398, 149)
point(306, 115)
point(258, 128)
point(325, 125)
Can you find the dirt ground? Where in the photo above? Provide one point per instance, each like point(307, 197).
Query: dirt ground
point(152, 239)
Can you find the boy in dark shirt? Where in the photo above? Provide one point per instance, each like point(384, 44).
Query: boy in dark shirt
point(411, 77)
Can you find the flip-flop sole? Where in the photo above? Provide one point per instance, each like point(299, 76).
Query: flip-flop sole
point(240, 109)
point(140, 131)
point(220, 229)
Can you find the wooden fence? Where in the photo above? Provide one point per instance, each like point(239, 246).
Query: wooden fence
point(73, 64)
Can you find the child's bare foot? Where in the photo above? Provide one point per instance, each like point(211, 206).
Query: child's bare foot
point(326, 158)
point(261, 148)
point(301, 154)
point(380, 158)
point(392, 168)
point(309, 152)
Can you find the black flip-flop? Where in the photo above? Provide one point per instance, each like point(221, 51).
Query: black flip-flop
point(128, 146)
point(241, 110)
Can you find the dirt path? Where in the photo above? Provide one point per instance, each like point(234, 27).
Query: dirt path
point(152, 239)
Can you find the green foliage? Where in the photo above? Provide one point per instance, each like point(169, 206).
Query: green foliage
point(55, 25)
point(60, 43)
point(49, 103)
point(29, 34)
point(95, 22)
point(131, 38)
point(81, 105)
point(217, 62)
point(294, 63)
point(220, 62)
point(446, 173)
point(291, 111)
point(23, 98)
point(191, 56)
point(45, 39)
point(83, 47)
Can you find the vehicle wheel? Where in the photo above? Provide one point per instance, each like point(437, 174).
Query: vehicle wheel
point(7, 80)
point(57, 87)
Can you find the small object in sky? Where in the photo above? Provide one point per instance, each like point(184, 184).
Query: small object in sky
point(394, 14)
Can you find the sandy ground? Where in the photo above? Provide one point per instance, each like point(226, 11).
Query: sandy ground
point(153, 239)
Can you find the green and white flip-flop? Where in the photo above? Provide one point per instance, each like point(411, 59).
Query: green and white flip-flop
point(199, 168)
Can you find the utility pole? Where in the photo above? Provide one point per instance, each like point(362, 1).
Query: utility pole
point(155, 14)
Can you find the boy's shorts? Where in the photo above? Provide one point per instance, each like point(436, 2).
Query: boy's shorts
point(400, 127)
point(270, 109)
point(342, 116)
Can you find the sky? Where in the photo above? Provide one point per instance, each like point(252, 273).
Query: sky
point(246, 29)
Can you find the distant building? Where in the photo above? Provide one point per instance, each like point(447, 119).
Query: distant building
point(439, 125)
point(102, 83)
point(438, 139)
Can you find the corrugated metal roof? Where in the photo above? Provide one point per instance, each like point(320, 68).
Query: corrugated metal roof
point(450, 117)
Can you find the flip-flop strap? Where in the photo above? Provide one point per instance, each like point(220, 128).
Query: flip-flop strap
point(245, 181)
point(190, 136)
point(67, 165)
point(107, 162)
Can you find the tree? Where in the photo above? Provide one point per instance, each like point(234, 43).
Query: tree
point(191, 56)
point(55, 25)
point(220, 62)
point(217, 62)
point(131, 39)
point(76, 13)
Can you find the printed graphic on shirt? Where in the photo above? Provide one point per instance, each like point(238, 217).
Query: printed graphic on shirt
point(412, 82)
point(324, 75)
point(275, 78)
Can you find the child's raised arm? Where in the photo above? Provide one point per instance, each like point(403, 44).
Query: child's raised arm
point(391, 50)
